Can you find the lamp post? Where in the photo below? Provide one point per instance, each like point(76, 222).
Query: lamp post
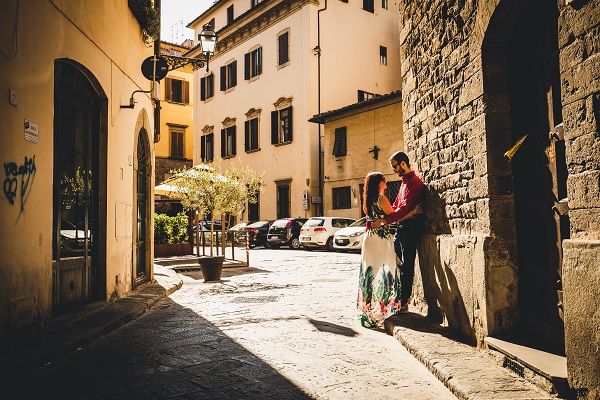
point(208, 40)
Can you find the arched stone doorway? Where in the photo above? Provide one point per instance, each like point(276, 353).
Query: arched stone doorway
point(143, 208)
point(79, 224)
point(522, 90)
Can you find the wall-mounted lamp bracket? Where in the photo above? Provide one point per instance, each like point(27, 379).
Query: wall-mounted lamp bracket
point(375, 151)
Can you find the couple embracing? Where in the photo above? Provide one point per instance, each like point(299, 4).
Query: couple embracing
point(387, 265)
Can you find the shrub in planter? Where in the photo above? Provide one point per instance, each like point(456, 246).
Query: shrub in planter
point(170, 230)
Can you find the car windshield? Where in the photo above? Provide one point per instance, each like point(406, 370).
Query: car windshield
point(361, 222)
point(280, 223)
point(314, 222)
point(259, 224)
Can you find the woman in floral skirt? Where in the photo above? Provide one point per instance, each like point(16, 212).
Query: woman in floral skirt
point(379, 280)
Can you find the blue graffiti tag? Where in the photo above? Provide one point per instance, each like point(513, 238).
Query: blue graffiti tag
point(13, 171)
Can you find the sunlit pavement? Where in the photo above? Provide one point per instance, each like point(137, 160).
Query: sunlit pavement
point(283, 328)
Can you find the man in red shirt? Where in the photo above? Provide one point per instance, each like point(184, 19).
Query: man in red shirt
point(409, 231)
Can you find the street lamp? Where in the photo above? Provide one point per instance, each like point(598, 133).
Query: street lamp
point(208, 40)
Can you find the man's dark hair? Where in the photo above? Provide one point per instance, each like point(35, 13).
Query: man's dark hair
point(400, 156)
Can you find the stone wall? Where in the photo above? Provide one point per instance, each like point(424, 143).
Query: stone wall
point(456, 116)
point(445, 131)
point(579, 43)
point(164, 166)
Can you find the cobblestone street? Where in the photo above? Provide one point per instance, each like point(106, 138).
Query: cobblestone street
point(285, 328)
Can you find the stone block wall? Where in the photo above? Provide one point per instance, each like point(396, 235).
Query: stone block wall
point(579, 42)
point(445, 132)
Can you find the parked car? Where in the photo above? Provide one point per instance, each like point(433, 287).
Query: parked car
point(351, 237)
point(318, 231)
point(257, 233)
point(286, 232)
point(238, 232)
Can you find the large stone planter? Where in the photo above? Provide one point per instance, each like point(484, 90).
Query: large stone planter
point(175, 249)
point(211, 267)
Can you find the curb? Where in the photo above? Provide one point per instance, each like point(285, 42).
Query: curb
point(462, 368)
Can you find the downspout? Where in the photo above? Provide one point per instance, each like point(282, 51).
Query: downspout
point(318, 49)
point(156, 102)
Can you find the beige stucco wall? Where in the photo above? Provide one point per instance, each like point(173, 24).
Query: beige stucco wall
point(342, 75)
point(381, 127)
point(105, 38)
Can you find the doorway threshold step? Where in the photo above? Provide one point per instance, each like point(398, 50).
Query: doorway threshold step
point(551, 368)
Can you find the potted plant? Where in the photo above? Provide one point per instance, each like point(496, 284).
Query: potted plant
point(170, 235)
point(213, 191)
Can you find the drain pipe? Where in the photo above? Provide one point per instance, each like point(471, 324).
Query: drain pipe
point(156, 101)
point(318, 51)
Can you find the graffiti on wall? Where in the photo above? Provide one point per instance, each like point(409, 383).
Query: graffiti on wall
point(25, 173)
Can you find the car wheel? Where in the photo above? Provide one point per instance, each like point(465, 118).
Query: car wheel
point(266, 245)
point(329, 244)
point(295, 243)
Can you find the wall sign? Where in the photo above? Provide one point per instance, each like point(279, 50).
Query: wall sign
point(31, 131)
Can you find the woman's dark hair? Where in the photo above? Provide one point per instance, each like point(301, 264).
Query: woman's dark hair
point(371, 190)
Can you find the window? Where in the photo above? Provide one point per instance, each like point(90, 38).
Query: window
point(339, 145)
point(392, 190)
point(253, 63)
point(384, 4)
point(228, 142)
point(177, 91)
point(283, 47)
point(254, 3)
point(207, 87)
point(212, 23)
point(229, 14)
point(281, 126)
point(344, 1)
point(383, 55)
point(341, 198)
point(251, 134)
point(253, 209)
point(229, 76)
point(369, 5)
point(363, 96)
point(207, 149)
point(177, 143)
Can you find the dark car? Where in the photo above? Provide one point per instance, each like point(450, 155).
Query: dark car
point(257, 233)
point(286, 232)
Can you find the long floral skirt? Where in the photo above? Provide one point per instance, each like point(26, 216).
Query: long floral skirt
point(379, 281)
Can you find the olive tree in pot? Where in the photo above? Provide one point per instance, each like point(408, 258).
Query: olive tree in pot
point(210, 191)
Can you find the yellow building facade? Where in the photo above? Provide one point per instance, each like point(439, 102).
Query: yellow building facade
point(76, 206)
point(358, 139)
point(175, 149)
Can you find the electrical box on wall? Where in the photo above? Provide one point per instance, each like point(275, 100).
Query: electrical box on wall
point(305, 205)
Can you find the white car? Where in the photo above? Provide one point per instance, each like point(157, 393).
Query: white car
point(350, 238)
point(318, 232)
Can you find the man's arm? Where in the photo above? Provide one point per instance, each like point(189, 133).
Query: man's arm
point(413, 198)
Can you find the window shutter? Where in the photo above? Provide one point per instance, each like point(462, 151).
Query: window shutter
point(234, 74)
point(339, 145)
point(247, 66)
point(290, 123)
point(247, 135)
point(223, 78)
point(259, 61)
point(274, 127)
point(210, 85)
point(168, 90)
point(186, 92)
point(223, 143)
point(203, 89)
point(203, 148)
point(233, 140)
